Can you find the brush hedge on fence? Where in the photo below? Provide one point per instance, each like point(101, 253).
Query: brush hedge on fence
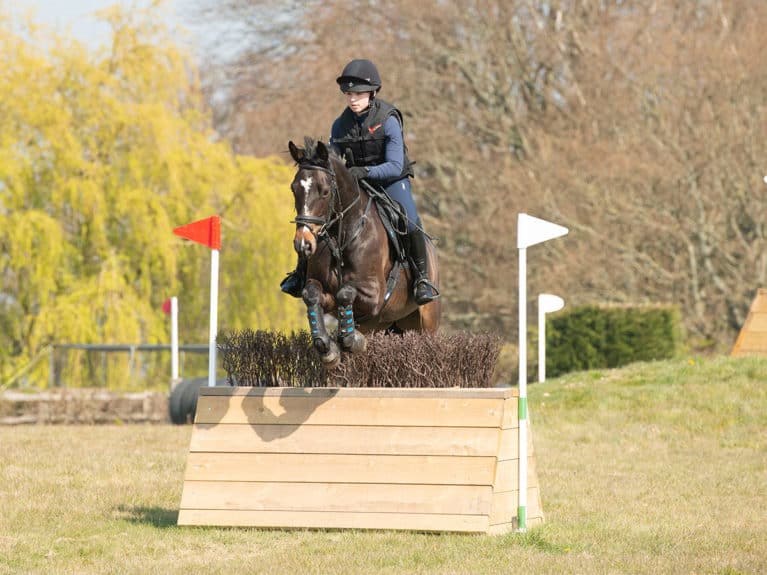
point(267, 359)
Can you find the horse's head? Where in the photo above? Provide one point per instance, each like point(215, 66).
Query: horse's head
point(315, 192)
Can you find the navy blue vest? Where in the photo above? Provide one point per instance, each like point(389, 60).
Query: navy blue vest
point(367, 142)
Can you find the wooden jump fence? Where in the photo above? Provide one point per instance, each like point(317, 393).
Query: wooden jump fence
point(363, 458)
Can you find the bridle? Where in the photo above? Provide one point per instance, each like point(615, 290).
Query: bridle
point(337, 243)
point(330, 218)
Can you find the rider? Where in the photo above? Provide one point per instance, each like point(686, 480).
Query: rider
point(369, 134)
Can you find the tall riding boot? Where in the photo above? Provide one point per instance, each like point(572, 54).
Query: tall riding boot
point(424, 290)
point(294, 283)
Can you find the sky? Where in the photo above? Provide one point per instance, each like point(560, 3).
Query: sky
point(77, 16)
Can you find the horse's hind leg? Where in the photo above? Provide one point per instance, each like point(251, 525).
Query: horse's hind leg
point(322, 342)
point(430, 316)
point(424, 319)
point(349, 338)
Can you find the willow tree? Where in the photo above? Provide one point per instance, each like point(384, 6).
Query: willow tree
point(102, 153)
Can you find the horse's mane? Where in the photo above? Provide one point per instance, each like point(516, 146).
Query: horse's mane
point(310, 152)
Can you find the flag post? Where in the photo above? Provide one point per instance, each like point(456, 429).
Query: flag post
point(170, 308)
point(174, 340)
point(213, 318)
point(530, 231)
point(547, 303)
point(208, 232)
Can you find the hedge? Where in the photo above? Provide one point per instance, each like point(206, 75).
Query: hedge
point(593, 337)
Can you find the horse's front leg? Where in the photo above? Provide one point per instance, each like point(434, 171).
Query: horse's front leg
point(327, 348)
point(349, 338)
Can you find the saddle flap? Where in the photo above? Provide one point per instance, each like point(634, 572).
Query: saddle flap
point(393, 219)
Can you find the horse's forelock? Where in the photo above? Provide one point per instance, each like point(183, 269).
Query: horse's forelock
point(310, 149)
point(312, 157)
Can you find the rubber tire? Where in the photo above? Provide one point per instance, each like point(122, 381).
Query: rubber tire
point(182, 403)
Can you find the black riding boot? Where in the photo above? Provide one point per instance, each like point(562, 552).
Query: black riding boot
point(424, 290)
point(294, 283)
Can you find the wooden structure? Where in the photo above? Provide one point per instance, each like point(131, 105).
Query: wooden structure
point(379, 458)
point(752, 339)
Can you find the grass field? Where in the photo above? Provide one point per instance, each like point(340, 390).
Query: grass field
point(655, 468)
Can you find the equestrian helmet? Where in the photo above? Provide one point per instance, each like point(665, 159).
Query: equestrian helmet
point(359, 76)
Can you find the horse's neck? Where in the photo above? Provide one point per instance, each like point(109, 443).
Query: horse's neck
point(353, 198)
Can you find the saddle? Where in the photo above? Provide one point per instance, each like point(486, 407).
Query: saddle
point(394, 221)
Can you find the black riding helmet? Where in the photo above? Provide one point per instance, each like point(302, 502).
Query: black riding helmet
point(359, 76)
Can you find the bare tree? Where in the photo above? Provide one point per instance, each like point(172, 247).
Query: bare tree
point(639, 125)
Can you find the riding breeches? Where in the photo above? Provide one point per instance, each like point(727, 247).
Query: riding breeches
point(400, 192)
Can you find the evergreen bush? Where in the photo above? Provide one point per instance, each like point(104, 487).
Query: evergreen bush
point(589, 337)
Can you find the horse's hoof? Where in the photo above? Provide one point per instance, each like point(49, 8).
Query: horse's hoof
point(322, 345)
point(355, 342)
point(332, 359)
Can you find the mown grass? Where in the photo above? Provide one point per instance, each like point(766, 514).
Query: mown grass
point(654, 468)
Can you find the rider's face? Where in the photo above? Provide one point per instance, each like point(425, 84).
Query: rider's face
point(357, 101)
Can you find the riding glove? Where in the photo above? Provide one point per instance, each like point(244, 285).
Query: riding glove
point(359, 172)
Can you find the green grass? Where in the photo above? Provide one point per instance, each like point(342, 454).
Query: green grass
point(654, 468)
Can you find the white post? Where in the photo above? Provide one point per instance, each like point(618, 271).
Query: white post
point(522, 409)
point(547, 303)
point(541, 343)
point(213, 318)
point(173, 341)
point(530, 231)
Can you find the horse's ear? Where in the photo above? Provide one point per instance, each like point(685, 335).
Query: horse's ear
point(295, 152)
point(322, 152)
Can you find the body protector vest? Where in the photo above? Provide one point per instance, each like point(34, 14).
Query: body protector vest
point(365, 143)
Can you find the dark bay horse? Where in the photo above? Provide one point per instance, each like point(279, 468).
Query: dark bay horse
point(349, 257)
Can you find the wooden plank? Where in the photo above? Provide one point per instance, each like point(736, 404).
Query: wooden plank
point(335, 520)
point(535, 506)
point(510, 409)
point(505, 506)
point(396, 411)
point(245, 438)
point(757, 322)
point(508, 447)
point(296, 467)
point(366, 392)
point(532, 472)
point(759, 305)
point(755, 340)
point(344, 497)
point(507, 475)
point(752, 339)
point(750, 343)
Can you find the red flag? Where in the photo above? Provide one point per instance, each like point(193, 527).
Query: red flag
point(166, 307)
point(206, 232)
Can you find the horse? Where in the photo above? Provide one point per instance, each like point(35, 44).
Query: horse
point(349, 258)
